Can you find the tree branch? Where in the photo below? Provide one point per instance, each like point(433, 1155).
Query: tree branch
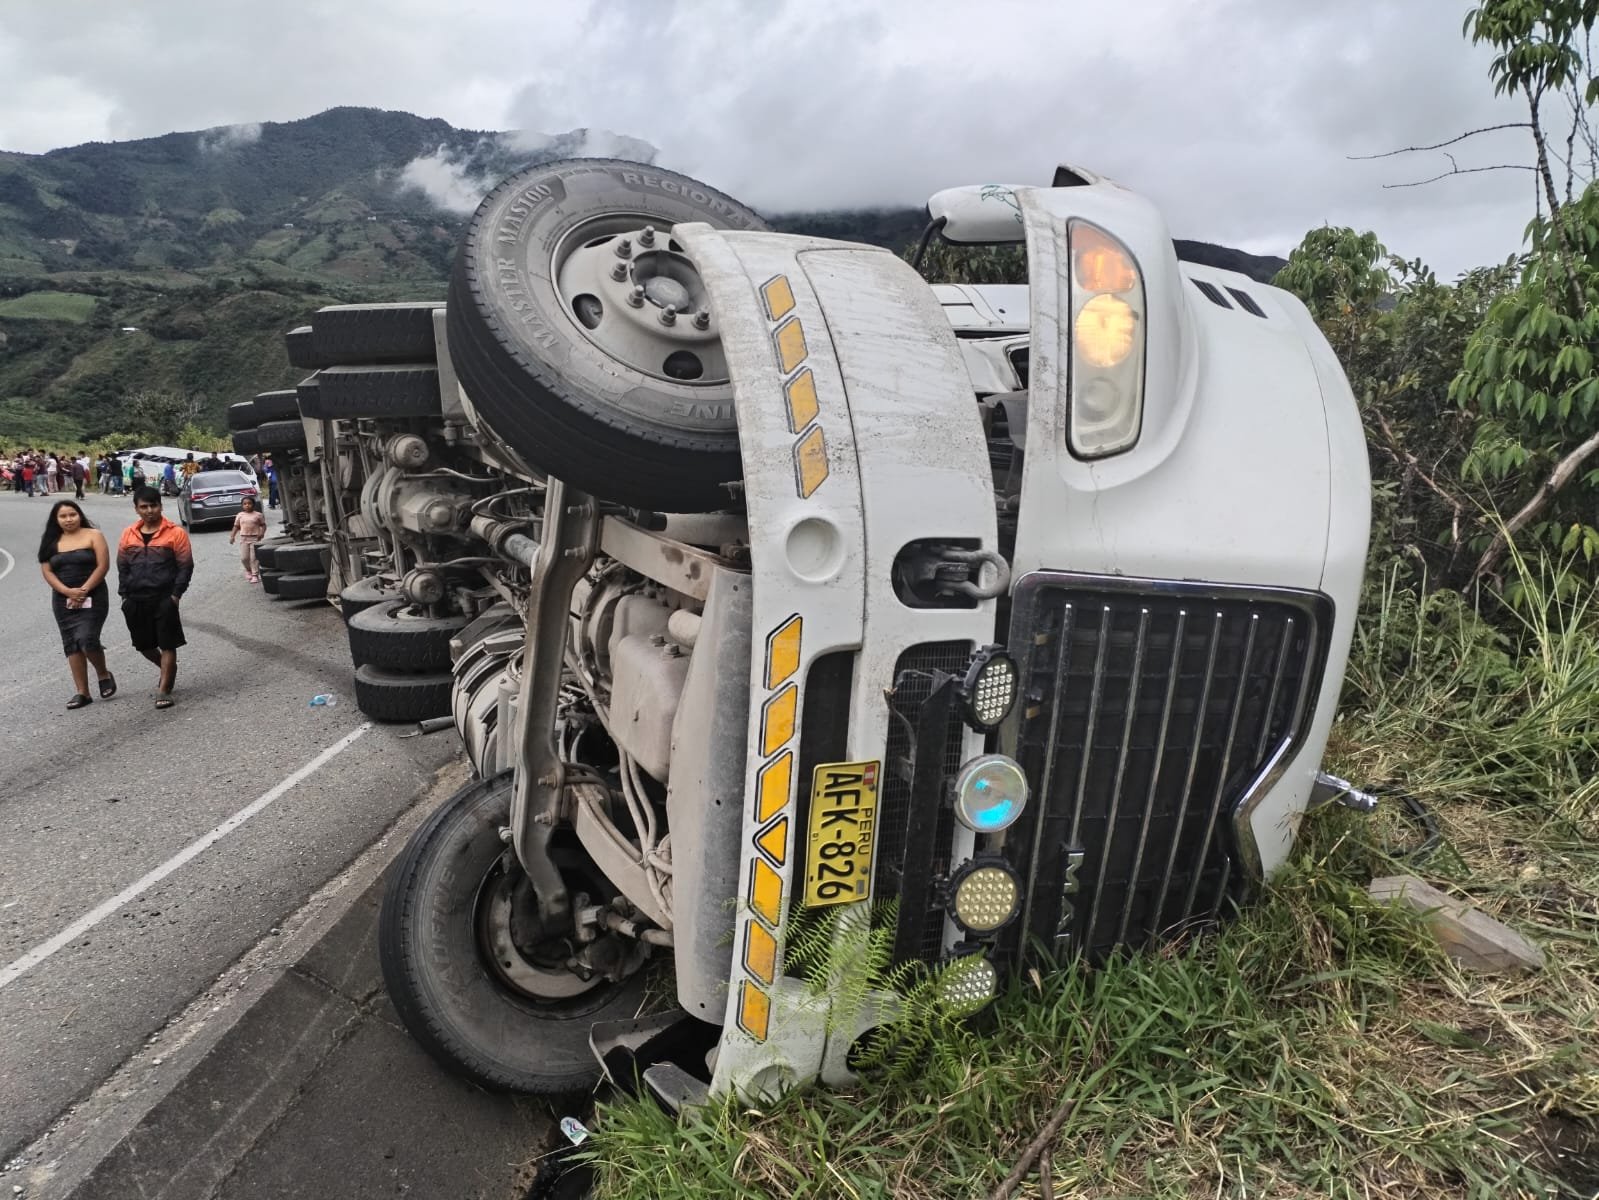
point(1438, 146)
point(1463, 171)
point(1558, 478)
point(1405, 458)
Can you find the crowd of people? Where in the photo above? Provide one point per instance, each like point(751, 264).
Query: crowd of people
point(45, 473)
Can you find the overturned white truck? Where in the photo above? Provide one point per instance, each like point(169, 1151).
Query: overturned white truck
point(759, 576)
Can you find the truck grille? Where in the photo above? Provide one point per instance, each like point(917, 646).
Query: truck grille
point(1148, 711)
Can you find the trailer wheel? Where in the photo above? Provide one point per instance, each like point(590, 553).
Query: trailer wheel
point(392, 391)
point(373, 333)
point(300, 350)
point(393, 636)
point(393, 696)
point(560, 332)
point(447, 959)
point(363, 594)
point(269, 579)
point(280, 405)
point(242, 415)
point(303, 556)
point(280, 435)
point(244, 441)
point(302, 585)
point(267, 552)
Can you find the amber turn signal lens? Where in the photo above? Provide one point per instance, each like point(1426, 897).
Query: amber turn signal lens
point(1099, 263)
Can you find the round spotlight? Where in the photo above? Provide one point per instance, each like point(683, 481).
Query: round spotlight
point(989, 688)
point(990, 793)
point(968, 983)
point(985, 896)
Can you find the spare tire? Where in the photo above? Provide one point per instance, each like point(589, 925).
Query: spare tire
point(372, 333)
point(583, 373)
point(354, 393)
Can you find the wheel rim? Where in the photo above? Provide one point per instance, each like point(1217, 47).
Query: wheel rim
point(628, 288)
point(516, 955)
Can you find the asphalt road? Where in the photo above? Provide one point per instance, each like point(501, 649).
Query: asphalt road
point(223, 813)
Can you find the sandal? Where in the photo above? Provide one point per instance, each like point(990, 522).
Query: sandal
point(164, 700)
point(108, 687)
point(79, 699)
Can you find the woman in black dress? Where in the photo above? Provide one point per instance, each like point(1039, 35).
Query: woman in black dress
point(74, 559)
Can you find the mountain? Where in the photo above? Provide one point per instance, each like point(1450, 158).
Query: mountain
point(173, 264)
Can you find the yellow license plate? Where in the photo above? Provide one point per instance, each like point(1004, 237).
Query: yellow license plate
point(843, 830)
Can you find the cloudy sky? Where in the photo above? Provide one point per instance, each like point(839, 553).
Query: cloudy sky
point(1238, 117)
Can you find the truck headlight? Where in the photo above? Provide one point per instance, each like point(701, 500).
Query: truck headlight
point(1107, 360)
point(990, 793)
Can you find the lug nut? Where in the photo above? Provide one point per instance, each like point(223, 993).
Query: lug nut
point(636, 296)
point(702, 319)
point(669, 315)
point(647, 238)
point(624, 248)
point(619, 272)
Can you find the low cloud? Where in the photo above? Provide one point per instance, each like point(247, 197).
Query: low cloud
point(447, 179)
point(229, 137)
point(457, 179)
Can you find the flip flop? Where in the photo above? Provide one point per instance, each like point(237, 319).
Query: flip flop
point(163, 701)
point(108, 687)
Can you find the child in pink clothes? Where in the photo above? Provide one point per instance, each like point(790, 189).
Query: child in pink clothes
point(249, 527)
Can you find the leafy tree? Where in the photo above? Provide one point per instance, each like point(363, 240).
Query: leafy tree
point(1530, 371)
point(164, 414)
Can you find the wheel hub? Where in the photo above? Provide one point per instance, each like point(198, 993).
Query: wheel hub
point(516, 947)
point(632, 292)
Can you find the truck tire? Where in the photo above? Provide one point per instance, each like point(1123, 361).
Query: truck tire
point(280, 435)
point(241, 415)
point(392, 636)
point(576, 384)
point(392, 696)
point(449, 993)
point(363, 594)
point(397, 390)
point(269, 578)
point(302, 556)
point(245, 441)
point(280, 405)
point(374, 333)
point(308, 393)
point(302, 585)
point(300, 349)
point(267, 552)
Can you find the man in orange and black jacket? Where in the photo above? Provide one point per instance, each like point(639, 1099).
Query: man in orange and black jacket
point(154, 565)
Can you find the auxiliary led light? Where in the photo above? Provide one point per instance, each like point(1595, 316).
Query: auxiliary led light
point(968, 983)
point(990, 793)
point(985, 896)
point(989, 689)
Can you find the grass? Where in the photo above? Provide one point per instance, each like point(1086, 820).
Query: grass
point(49, 306)
point(1320, 1046)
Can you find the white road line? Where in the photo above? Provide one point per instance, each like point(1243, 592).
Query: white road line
point(10, 562)
point(94, 916)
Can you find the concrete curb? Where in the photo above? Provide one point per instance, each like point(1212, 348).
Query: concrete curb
point(292, 1076)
